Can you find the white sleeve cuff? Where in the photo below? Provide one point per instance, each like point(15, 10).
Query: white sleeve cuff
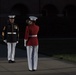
point(25, 42)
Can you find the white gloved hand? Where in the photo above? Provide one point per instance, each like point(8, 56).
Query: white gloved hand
point(17, 42)
point(25, 42)
point(5, 41)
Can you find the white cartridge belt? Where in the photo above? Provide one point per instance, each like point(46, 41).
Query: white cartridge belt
point(33, 36)
point(11, 32)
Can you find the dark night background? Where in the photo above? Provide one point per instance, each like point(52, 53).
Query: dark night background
point(56, 18)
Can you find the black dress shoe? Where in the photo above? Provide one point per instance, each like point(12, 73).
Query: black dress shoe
point(9, 61)
point(12, 61)
point(30, 70)
point(33, 70)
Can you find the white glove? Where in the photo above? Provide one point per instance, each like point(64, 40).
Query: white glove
point(17, 42)
point(5, 41)
point(25, 42)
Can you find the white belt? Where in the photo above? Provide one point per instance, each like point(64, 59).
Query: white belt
point(11, 32)
point(33, 36)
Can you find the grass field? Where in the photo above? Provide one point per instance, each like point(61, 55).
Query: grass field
point(68, 57)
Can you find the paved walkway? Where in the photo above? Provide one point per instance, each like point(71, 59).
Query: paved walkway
point(46, 65)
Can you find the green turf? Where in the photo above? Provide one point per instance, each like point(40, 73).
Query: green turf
point(68, 57)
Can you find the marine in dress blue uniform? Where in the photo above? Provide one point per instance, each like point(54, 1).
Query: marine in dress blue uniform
point(10, 35)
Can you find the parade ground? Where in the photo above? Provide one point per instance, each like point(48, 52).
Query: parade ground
point(46, 65)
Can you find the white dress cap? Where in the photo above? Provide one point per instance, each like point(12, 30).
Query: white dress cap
point(33, 18)
point(11, 16)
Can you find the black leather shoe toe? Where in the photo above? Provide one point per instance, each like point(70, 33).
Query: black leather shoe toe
point(13, 61)
point(9, 61)
point(33, 70)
